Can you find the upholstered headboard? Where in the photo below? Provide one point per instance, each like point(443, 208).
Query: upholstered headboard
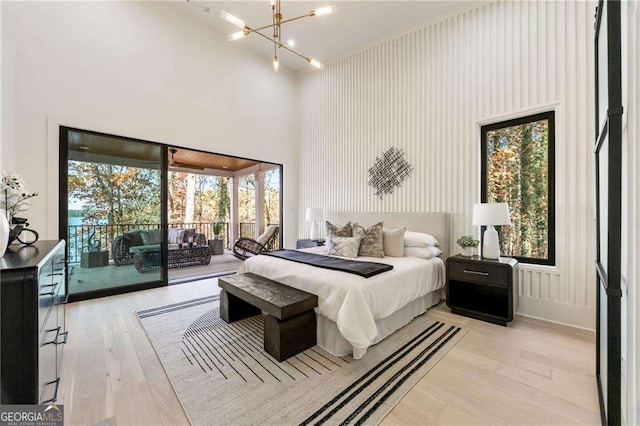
point(434, 223)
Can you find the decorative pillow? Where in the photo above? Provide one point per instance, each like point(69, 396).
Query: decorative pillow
point(372, 244)
point(266, 235)
point(419, 239)
point(338, 231)
point(175, 235)
point(344, 246)
point(422, 252)
point(393, 241)
point(150, 237)
point(188, 233)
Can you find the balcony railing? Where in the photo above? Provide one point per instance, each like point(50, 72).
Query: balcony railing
point(78, 235)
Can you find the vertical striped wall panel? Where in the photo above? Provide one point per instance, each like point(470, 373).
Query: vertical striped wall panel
point(427, 92)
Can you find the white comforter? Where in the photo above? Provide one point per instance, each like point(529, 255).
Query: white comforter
point(353, 302)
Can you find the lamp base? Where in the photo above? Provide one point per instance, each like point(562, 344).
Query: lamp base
point(315, 230)
point(490, 244)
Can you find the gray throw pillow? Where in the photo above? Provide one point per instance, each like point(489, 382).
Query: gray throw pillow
point(372, 243)
point(393, 240)
point(150, 236)
point(344, 246)
point(338, 231)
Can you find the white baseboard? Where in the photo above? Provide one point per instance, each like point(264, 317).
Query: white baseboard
point(559, 313)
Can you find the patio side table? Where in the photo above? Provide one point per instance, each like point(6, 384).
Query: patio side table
point(94, 259)
point(216, 246)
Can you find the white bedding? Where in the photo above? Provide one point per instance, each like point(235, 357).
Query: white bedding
point(354, 302)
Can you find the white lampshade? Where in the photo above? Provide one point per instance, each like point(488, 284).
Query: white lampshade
point(485, 214)
point(314, 214)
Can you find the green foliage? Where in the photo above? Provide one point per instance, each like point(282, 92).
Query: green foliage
point(115, 194)
point(217, 228)
point(518, 175)
point(467, 241)
point(212, 199)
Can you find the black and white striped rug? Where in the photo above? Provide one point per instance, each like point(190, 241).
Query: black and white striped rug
point(222, 375)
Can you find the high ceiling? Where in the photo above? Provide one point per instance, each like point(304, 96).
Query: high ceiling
point(357, 25)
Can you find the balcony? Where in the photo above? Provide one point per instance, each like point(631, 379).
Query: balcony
point(91, 279)
point(79, 235)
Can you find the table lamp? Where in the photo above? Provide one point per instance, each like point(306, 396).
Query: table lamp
point(314, 215)
point(490, 215)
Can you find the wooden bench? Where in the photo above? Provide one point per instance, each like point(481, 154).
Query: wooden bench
point(290, 324)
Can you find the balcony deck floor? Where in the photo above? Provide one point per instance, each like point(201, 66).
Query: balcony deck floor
point(89, 279)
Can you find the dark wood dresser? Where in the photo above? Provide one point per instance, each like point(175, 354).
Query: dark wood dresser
point(32, 322)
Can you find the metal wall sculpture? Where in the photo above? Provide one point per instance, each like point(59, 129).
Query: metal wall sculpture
point(389, 171)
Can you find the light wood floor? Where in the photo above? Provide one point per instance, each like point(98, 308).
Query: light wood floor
point(528, 373)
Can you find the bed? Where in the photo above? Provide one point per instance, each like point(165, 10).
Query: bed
point(354, 312)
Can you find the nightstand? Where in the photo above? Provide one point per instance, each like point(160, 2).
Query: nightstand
point(482, 289)
point(306, 243)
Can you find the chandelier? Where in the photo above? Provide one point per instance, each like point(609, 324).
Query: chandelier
point(276, 27)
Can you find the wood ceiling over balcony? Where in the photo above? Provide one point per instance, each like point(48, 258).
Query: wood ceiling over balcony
point(206, 160)
point(105, 149)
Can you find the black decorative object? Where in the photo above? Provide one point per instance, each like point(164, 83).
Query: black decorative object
point(389, 171)
point(93, 243)
point(21, 233)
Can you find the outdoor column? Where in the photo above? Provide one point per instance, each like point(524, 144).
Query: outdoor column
point(259, 202)
point(235, 213)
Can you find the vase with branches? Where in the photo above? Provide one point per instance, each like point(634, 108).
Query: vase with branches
point(15, 196)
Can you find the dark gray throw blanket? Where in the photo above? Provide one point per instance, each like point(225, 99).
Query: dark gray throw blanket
point(363, 269)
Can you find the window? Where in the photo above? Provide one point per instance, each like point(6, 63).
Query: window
point(518, 168)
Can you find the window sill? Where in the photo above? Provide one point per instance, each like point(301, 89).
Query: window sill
point(539, 268)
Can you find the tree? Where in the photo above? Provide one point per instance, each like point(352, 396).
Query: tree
point(518, 174)
point(115, 194)
point(224, 201)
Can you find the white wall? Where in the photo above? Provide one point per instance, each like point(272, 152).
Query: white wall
point(427, 92)
point(140, 70)
point(630, 211)
point(7, 91)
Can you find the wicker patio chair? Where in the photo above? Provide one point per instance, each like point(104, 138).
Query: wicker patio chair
point(244, 248)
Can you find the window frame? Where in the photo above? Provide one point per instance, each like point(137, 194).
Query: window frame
point(551, 230)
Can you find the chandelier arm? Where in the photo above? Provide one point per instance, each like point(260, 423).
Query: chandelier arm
point(277, 43)
point(308, 15)
point(283, 22)
point(273, 15)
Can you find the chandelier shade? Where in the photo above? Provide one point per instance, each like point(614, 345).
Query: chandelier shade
point(276, 26)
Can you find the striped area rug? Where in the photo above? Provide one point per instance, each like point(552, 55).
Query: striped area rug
point(222, 375)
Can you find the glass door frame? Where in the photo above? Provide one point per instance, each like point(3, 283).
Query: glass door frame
point(63, 214)
point(63, 193)
point(608, 274)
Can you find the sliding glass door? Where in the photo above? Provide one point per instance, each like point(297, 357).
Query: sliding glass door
point(608, 166)
point(111, 213)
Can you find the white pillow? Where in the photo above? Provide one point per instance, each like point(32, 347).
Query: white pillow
point(175, 235)
point(393, 242)
point(419, 239)
point(422, 252)
point(344, 246)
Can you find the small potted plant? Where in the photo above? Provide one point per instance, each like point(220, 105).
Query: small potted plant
point(217, 228)
point(467, 243)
